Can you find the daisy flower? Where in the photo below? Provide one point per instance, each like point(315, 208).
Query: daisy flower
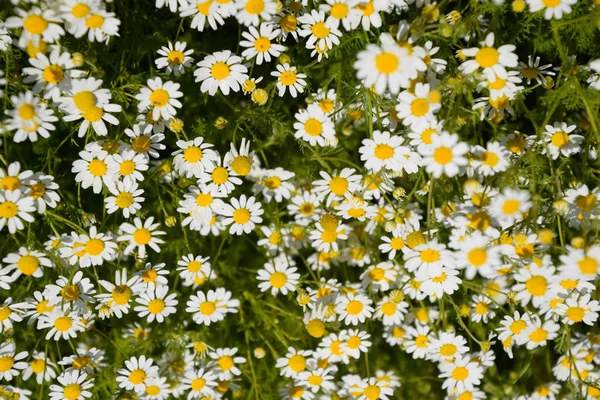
point(43, 368)
point(51, 74)
point(171, 4)
point(418, 107)
point(492, 159)
point(304, 208)
point(154, 275)
point(126, 197)
point(143, 141)
point(559, 140)
point(200, 383)
point(385, 151)
point(141, 235)
point(155, 304)
point(36, 25)
point(62, 324)
point(224, 363)
point(193, 157)
point(242, 214)
point(221, 70)
point(482, 309)
point(461, 373)
point(29, 118)
point(274, 184)
point(338, 185)
point(447, 346)
point(580, 309)
point(342, 12)
point(532, 285)
point(72, 293)
point(136, 372)
point(493, 61)
point(13, 179)
point(27, 262)
point(278, 276)
point(120, 292)
point(203, 11)
point(259, 43)
point(159, 97)
point(175, 59)
point(288, 78)
point(371, 389)
point(41, 189)
point(8, 315)
point(553, 9)
point(126, 166)
point(353, 309)
point(316, 380)
point(314, 126)
point(92, 168)
point(533, 70)
point(212, 306)
point(219, 179)
point(100, 26)
point(157, 388)
point(445, 156)
point(195, 269)
point(476, 256)
point(250, 12)
point(428, 255)
point(539, 333)
point(240, 161)
point(325, 240)
point(388, 66)
point(14, 209)
point(320, 32)
point(510, 205)
point(85, 99)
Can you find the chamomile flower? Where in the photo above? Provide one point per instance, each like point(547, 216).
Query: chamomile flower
point(71, 294)
point(260, 43)
point(532, 285)
point(445, 156)
point(221, 70)
point(193, 157)
point(552, 9)
point(388, 66)
point(304, 208)
point(121, 292)
point(43, 368)
point(278, 276)
point(219, 178)
point(139, 235)
point(225, 363)
point(320, 32)
point(493, 61)
point(9, 313)
point(100, 26)
point(510, 205)
point(242, 214)
point(342, 12)
point(175, 59)
point(42, 190)
point(250, 12)
point(437, 280)
point(353, 309)
point(482, 309)
point(385, 151)
point(125, 197)
point(154, 275)
point(86, 100)
point(62, 324)
point(37, 25)
point(274, 184)
point(14, 209)
point(428, 255)
point(560, 141)
point(538, 333)
point(27, 262)
point(240, 161)
point(159, 97)
point(29, 118)
point(52, 74)
point(294, 362)
point(446, 346)
point(418, 107)
point(143, 141)
point(391, 311)
point(212, 306)
point(492, 159)
point(288, 78)
point(200, 383)
point(316, 380)
point(461, 373)
point(338, 185)
point(127, 166)
point(476, 256)
point(136, 372)
point(580, 309)
point(314, 126)
point(195, 269)
point(155, 304)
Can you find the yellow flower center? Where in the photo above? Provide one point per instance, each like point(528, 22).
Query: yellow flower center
point(419, 107)
point(560, 139)
point(159, 98)
point(338, 185)
point(80, 10)
point(487, 57)
point(27, 111)
point(354, 307)
point(372, 392)
point(262, 44)
point(220, 175)
point(551, 3)
point(288, 23)
point(539, 335)
point(70, 292)
point(575, 314)
point(204, 199)
point(315, 328)
point(192, 154)
point(220, 71)
point(482, 308)
point(127, 167)
point(384, 151)
point(287, 78)
point(387, 63)
point(478, 256)
point(460, 373)
point(255, 7)
point(149, 276)
point(94, 247)
point(241, 216)
point(35, 24)
point(207, 308)
point(175, 57)
point(28, 264)
point(490, 159)
point(94, 21)
point(448, 350)
point(429, 255)
point(536, 285)
point(152, 390)
point(198, 384)
point(63, 324)
point(320, 30)
point(4, 313)
point(121, 294)
point(586, 203)
point(225, 363)
point(38, 366)
point(588, 265)
point(124, 200)
point(156, 306)
point(141, 144)
point(137, 376)
point(339, 10)
point(142, 236)
point(517, 326)
point(72, 391)
point(10, 183)
point(510, 207)
point(442, 155)
point(97, 167)
point(388, 309)
point(313, 127)
point(53, 74)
